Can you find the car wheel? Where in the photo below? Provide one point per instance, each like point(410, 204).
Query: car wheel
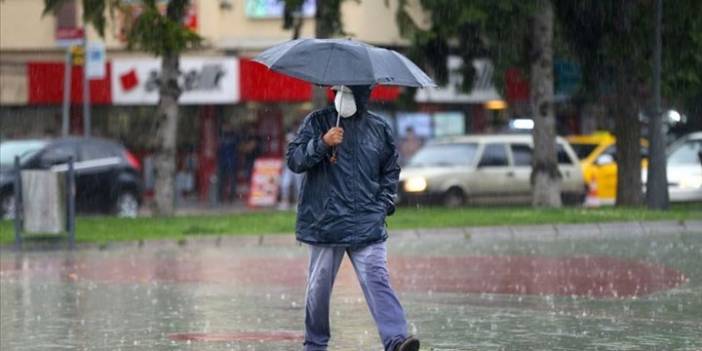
point(7, 206)
point(454, 198)
point(127, 205)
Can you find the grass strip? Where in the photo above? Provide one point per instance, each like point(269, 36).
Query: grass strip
point(106, 229)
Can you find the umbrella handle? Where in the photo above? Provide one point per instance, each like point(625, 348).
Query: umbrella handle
point(332, 158)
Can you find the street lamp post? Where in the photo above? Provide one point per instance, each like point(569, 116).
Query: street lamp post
point(657, 184)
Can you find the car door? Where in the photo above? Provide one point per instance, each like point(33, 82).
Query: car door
point(97, 170)
point(571, 173)
point(521, 168)
point(492, 174)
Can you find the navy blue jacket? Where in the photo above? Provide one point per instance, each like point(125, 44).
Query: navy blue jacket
point(345, 204)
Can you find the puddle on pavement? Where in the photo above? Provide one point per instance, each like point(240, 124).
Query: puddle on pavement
point(460, 293)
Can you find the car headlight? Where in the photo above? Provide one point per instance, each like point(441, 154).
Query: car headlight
point(415, 184)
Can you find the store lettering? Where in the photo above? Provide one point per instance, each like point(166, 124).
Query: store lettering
point(205, 79)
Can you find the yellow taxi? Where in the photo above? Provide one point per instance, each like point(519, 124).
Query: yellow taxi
point(597, 157)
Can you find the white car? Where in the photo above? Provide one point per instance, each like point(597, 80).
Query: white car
point(483, 168)
point(684, 168)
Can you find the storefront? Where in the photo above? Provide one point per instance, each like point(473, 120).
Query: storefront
point(232, 112)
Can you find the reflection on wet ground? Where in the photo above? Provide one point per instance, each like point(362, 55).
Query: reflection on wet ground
point(460, 293)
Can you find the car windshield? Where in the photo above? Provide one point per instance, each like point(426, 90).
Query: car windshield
point(458, 154)
point(686, 154)
point(583, 150)
point(24, 149)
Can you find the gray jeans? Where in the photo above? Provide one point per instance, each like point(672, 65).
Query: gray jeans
point(370, 264)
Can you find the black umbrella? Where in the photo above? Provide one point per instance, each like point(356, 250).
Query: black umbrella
point(343, 62)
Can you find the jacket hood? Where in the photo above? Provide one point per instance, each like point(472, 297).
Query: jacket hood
point(361, 95)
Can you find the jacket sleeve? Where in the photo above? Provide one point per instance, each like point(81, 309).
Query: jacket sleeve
point(307, 149)
point(389, 173)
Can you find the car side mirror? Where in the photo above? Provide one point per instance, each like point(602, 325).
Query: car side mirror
point(604, 160)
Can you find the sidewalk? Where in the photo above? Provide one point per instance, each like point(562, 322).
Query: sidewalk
point(612, 286)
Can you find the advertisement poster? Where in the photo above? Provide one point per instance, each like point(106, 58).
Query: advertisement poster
point(449, 123)
point(274, 8)
point(420, 122)
point(265, 182)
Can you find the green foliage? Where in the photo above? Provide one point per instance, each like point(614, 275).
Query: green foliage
point(328, 17)
point(290, 10)
point(600, 35)
point(497, 30)
point(682, 50)
point(609, 36)
point(153, 31)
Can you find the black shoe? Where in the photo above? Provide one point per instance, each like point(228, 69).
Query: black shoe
point(409, 344)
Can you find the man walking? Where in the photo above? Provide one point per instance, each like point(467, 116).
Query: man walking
point(351, 176)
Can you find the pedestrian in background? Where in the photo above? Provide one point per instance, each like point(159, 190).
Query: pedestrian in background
point(289, 181)
point(227, 159)
point(409, 146)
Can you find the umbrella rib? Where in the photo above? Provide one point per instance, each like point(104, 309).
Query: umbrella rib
point(372, 66)
point(326, 68)
point(422, 79)
point(283, 54)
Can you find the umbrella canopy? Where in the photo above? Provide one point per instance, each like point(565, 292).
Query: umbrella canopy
point(343, 62)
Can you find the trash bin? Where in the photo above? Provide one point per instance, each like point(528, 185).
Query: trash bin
point(44, 201)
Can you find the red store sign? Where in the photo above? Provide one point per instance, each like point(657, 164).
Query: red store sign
point(256, 84)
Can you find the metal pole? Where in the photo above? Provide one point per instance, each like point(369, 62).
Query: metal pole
point(86, 89)
point(18, 204)
point(71, 193)
point(66, 93)
point(657, 187)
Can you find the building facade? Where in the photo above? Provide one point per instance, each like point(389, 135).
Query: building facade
point(225, 93)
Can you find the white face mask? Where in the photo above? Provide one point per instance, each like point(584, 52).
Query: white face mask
point(344, 102)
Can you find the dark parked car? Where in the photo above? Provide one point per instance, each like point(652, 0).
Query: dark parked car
point(108, 178)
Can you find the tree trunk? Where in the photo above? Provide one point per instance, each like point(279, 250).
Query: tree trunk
point(166, 132)
point(545, 176)
point(323, 29)
point(628, 132)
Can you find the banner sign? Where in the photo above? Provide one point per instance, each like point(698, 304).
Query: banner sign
point(202, 80)
point(95, 60)
point(66, 37)
point(265, 182)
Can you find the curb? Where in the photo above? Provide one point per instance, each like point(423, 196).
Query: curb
point(554, 231)
point(521, 232)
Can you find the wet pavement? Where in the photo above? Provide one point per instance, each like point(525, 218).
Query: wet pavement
point(640, 291)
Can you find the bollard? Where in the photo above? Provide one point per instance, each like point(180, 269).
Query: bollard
point(18, 204)
point(71, 199)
